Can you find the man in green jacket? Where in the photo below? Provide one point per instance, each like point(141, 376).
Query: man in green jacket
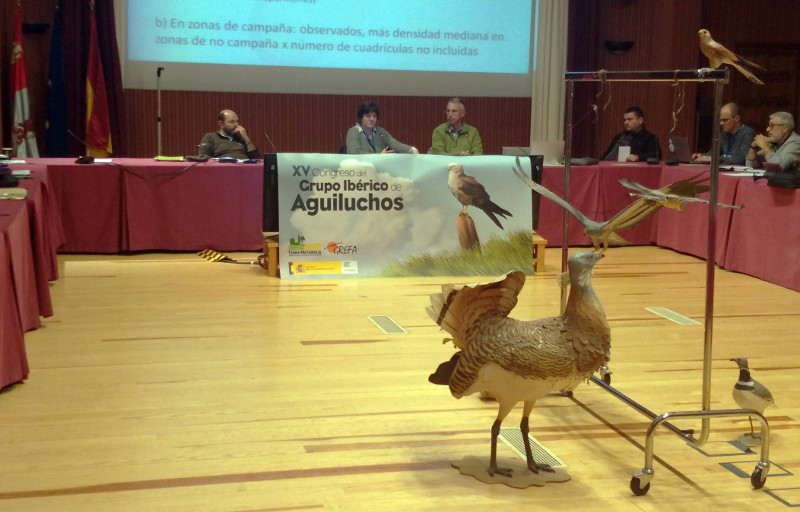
point(455, 137)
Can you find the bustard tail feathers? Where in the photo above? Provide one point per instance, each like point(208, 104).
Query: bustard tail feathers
point(459, 306)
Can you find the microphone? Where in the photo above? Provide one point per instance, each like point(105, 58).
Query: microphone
point(158, 72)
point(83, 159)
point(270, 142)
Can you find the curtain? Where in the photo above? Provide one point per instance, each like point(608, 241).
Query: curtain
point(548, 88)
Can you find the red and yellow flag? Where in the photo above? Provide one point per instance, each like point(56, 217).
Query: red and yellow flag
point(98, 126)
point(23, 137)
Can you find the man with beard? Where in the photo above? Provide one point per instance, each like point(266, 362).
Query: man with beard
point(780, 146)
point(230, 141)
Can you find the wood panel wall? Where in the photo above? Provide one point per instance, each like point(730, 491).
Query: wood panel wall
point(310, 123)
point(767, 34)
point(664, 35)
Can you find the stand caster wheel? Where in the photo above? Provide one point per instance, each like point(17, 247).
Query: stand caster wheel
point(636, 487)
point(758, 479)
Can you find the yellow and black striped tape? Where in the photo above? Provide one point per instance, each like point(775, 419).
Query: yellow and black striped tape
point(212, 255)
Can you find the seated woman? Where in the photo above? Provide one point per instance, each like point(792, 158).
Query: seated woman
point(367, 137)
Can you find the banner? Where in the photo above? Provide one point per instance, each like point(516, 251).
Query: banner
point(22, 135)
point(98, 127)
point(55, 135)
point(391, 215)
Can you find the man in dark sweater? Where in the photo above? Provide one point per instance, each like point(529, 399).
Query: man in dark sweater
point(643, 144)
point(231, 140)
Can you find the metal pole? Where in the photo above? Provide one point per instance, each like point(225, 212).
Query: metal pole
point(685, 434)
point(567, 158)
point(158, 108)
point(711, 257)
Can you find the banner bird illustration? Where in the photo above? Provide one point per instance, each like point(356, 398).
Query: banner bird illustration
point(718, 55)
point(471, 193)
point(748, 393)
point(516, 361)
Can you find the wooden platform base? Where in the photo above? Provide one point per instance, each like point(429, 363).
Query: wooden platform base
point(271, 251)
point(539, 244)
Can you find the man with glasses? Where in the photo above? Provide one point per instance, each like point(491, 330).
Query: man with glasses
point(734, 138)
point(455, 137)
point(781, 145)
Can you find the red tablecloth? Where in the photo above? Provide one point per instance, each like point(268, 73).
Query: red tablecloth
point(30, 234)
point(90, 199)
point(20, 304)
point(13, 361)
point(141, 204)
point(687, 231)
point(764, 238)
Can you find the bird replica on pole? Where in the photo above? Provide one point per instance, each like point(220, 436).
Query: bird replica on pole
point(718, 55)
point(649, 202)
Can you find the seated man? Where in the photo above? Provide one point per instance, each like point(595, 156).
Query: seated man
point(781, 145)
point(643, 144)
point(455, 137)
point(734, 138)
point(229, 141)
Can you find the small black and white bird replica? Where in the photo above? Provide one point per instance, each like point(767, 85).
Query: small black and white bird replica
point(750, 394)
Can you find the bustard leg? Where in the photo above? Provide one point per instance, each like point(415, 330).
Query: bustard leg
point(493, 469)
point(523, 427)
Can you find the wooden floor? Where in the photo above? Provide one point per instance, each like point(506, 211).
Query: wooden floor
point(169, 383)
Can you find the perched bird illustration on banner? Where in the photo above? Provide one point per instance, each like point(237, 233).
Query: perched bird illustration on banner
point(675, 195)
point(471, 193)
point(516, 361)
point(750, 394)
point(718, 55)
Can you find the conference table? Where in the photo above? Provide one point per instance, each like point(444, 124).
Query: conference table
point(761, 239)
point(132, 205)
point(30, 234)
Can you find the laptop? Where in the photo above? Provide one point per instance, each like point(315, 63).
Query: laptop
point(551, 150)
point(516, 150)
point(678, 150)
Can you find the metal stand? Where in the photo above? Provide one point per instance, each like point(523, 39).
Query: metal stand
point(640, 483)
point(158, 109)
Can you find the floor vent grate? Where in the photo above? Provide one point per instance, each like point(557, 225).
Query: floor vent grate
point(386, 324)
point(512, 436)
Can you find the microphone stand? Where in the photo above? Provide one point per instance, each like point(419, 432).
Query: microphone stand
point(158, 107)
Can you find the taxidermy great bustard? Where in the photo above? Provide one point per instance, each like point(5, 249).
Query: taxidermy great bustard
point(517, 361)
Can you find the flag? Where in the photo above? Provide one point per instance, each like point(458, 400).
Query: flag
point(55, 135)
point(23, 138)
point(98, 127)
